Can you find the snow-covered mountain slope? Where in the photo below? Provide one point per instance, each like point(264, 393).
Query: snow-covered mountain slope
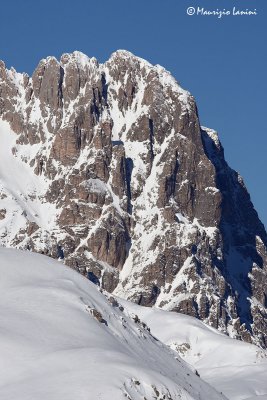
point(62, 339)
point(22, 194)
point(106, 167)
point(233, 367)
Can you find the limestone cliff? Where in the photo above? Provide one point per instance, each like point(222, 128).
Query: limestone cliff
point(106, 167)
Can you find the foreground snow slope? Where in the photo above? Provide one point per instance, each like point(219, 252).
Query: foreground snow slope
point(236, 368)
point(62, 339)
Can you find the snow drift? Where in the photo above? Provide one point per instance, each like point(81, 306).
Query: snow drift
point(62, 339)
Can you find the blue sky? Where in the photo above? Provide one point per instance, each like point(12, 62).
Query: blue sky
point(223, 62)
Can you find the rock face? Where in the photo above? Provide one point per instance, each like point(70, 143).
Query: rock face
point(106, 167)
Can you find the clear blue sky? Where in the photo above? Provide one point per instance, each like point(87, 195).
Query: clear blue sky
point(222, 62)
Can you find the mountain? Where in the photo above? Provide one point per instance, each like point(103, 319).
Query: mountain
point(61, 338)
point(106, 167)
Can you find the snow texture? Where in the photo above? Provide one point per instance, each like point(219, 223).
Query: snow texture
point(233, 367)
point(62, 339)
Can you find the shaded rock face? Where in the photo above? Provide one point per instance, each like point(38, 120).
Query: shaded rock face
point(113, 175)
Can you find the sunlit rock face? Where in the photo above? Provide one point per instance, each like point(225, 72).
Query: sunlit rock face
point(106, 167)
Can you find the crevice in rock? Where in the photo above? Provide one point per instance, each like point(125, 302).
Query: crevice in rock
point(151, 138)
point(60, 252)
point(60, 86)
point(93, 278)
point(78, 137)
point(129, 169)
point(104, 87)
point(170, 183)
point(94, 107)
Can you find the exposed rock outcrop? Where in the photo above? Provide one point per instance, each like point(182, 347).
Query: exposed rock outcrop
point(126, 187)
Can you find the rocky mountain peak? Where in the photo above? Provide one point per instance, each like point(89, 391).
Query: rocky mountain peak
point(113, 174)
